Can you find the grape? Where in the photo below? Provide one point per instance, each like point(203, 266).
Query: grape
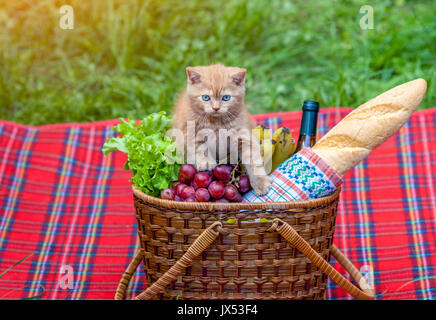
point(209, 173)
point(238, 198)
point(230, 192)
point(223, 172)
point(184, 180)
point(231, 167)
point(202, 179)
point(209, 185)
point(187, 173)
point(202, 195)
point(168, 194)
point(179, 188)
point(188, 192)
point(175, 184)
point(194, 185)
point(216, 189)
point(243, 183)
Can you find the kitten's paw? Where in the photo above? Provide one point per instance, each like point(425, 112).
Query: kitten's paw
point(205, 165)
point(261, 184)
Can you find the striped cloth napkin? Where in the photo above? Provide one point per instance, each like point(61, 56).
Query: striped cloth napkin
point(303, 176)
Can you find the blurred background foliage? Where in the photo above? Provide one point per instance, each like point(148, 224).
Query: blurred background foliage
point(128, 57)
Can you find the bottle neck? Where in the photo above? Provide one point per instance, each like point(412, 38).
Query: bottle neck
point(308, 123)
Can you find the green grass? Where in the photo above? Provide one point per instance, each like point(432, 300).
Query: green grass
point(128, 57)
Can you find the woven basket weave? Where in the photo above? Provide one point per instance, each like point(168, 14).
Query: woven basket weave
point(238, 250)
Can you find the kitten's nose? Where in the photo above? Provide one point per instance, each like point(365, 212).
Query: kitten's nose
point(215, 108)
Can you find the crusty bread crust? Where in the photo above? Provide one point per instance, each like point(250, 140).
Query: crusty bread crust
point(368, 126)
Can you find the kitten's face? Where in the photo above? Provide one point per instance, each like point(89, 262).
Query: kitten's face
point(216, 91)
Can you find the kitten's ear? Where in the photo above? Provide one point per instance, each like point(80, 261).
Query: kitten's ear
point(193, 76)
point(238, 78)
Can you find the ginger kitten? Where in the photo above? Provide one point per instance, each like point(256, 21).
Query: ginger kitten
point(214, 100)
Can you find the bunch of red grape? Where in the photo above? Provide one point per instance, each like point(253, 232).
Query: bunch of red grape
point(225, 183)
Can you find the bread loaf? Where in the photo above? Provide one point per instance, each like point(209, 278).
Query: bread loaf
point(368, 126)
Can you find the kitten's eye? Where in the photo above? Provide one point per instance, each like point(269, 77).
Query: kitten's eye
point(226, 98)
point(205, 98)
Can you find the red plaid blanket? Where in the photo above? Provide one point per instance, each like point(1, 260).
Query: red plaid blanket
point(70, 208)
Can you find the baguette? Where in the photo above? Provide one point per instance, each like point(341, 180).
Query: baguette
point(368, 126)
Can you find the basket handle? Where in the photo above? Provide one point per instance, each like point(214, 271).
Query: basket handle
point(201, 243)
point(127, 275)
point(289, 233)
point(284, 229)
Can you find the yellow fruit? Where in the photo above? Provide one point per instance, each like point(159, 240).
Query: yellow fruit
point(261, 133)
point(284, 146)
point(267, 148)
point(267, 145)
point(258, 132)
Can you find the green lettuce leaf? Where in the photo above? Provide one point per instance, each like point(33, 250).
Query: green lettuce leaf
point(151, 156)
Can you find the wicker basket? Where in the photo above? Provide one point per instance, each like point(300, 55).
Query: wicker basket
point(238, 250)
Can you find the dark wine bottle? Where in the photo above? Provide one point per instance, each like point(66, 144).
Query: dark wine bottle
point(307, 137)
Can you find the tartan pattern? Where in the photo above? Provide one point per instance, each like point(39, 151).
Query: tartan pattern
point(303, 176)
point(66, 203)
